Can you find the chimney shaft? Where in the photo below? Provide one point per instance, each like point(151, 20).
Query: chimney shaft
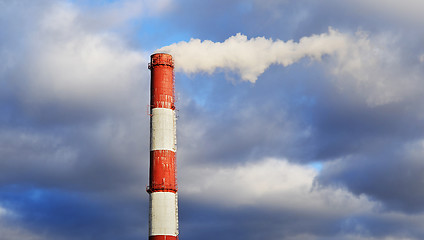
point(162, 189)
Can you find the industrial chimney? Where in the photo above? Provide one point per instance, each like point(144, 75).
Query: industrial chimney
point(162, 189)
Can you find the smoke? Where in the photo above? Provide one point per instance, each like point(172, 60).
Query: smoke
point(251, 57)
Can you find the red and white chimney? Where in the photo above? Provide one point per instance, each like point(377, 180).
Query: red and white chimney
point(163, 215)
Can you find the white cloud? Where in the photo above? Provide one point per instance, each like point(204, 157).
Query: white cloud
point(372, 68)
point(71, 56)
point(67, 63)
point(59, 75)
point(269, 183)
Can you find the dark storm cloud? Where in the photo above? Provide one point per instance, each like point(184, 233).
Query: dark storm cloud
point(349, 113)
point(310, 119)
point(348, 126)
point(61, 111)
point(232, 127)
point(252, 223)
point(71, 139)
point(74, 134)
point(392, 174)
point(56, 214)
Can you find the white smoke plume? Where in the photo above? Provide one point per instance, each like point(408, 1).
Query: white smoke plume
point(251, 57)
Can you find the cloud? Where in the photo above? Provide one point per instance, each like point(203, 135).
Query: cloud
point(375, 69)
point(405, 11)
point(271, 183)
point(397, 184)
point(66, 78)
point(281, 200)
point(370, 66)
point(72, 122)
point(72, 66)
point(10, 230)
point(115, 15)
point(44, 213)
point(354, 109)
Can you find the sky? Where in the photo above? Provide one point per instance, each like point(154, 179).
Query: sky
point(297, 119)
